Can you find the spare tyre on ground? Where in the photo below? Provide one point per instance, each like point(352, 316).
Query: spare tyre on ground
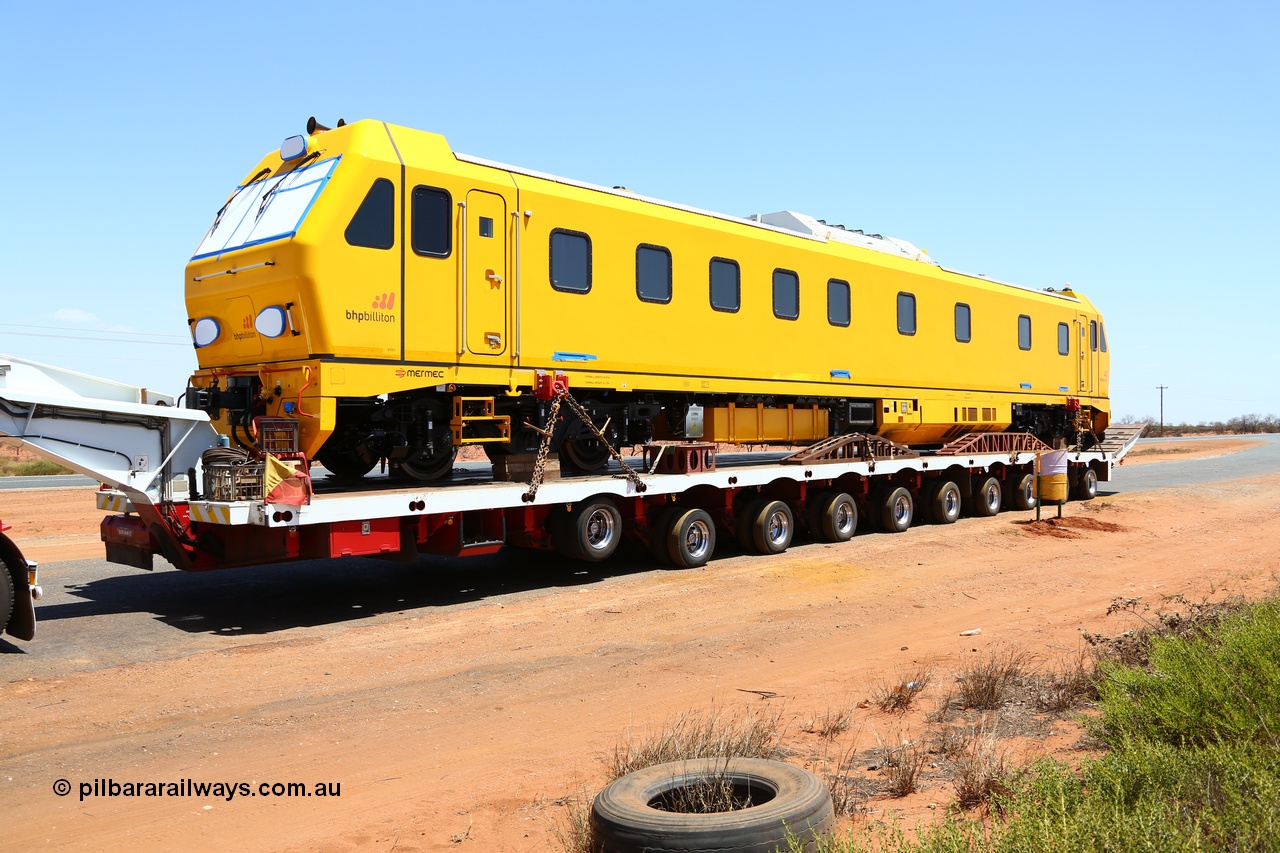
point(648, 810)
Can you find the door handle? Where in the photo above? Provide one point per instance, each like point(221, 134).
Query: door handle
point(493, 277)
point(493, 339)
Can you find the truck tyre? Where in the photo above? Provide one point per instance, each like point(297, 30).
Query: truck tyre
point(896, 510)
point(745, 523)
point(773, 528)
point(945, 502)
point(591, 531)
point(833, 517)
point(1023, 496)
point(692, 538)
point(986, 497)
point(660, 530)
point(6, 596)
point(784, 798)
point(1086, 485)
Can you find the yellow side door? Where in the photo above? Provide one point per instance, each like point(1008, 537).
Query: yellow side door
point(485, 280)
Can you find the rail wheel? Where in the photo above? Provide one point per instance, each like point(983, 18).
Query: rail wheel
point(1086, 486)
point(343, 462)
point(773, 527)
point(692, 538)
point(833, 517)
point(425, 467)
point(896, 510)
point(986, 497)
point(591, 531)
point(945, 503)
point(1023, 495)
point(585, 454)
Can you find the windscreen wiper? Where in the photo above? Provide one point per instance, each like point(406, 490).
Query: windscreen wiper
point(217, 217)
point(266, 196)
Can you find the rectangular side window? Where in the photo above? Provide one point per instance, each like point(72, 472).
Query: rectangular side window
point(964, 330)
point(1093, 335)
point(839, 304)
point(1064, 339)
point(906, 313)
point(653, 273)
point(1102, 336)
point(570, 261)
point(725, 285)
point(786, 295)
point(1024, 332)
point(432, 224)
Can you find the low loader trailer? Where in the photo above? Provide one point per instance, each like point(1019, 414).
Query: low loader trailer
point(171, 487)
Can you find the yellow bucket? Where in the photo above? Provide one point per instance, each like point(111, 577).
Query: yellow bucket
point(1052, 488)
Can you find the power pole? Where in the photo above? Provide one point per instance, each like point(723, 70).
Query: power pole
point(1161, 389)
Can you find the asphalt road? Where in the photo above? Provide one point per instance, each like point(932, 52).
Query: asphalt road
point(96, 614)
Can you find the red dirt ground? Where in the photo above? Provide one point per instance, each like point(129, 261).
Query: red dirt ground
point(473, 726)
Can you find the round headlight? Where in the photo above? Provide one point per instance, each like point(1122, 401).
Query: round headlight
point(205, 331)
point(270, 322)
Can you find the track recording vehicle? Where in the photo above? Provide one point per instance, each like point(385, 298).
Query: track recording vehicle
point(400, 300)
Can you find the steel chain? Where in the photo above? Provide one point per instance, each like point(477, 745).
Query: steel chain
point(540, 465)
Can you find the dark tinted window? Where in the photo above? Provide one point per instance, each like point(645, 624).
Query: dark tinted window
point(786, 295)
point(374, 225)
point(1102, 336)
point(432, 222)
point(1024, 332)
point(653, 274)
point(570, 261)
point(724, 285)
point(1064, 339)
point(1093, 335)
point(838, 302)
point(906, 314)
point(964, 326)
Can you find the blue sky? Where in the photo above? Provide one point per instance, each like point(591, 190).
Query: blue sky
point(1127, 148)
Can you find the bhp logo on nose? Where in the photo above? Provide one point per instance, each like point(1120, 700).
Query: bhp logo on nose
point(381, 303)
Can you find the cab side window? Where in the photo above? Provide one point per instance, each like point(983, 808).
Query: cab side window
point(431, 232)
point(374, 225)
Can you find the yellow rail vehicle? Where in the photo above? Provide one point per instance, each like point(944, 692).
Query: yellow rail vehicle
point(399, 299)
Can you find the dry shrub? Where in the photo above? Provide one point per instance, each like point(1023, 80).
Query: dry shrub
point(830, 723)
point(711, 793)
point(901, 765)
point(573, 831)
point(943, 705)
point(980, 767)
point(989, 682)
point(896, 696)
point(1075, 685)
point(713, 734)
point(951, 741)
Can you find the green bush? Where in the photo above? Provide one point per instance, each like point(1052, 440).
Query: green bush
point(1193, 761)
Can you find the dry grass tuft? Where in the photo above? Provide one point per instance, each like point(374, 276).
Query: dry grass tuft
point(714, 734)
point(990, 681)
point(980, 768)
point(1075, 685)
point(829, 724)
point(901, 764)
point(896, 696)
point(573, 831)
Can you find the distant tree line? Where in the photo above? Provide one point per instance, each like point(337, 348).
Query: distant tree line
point(1241, 425)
